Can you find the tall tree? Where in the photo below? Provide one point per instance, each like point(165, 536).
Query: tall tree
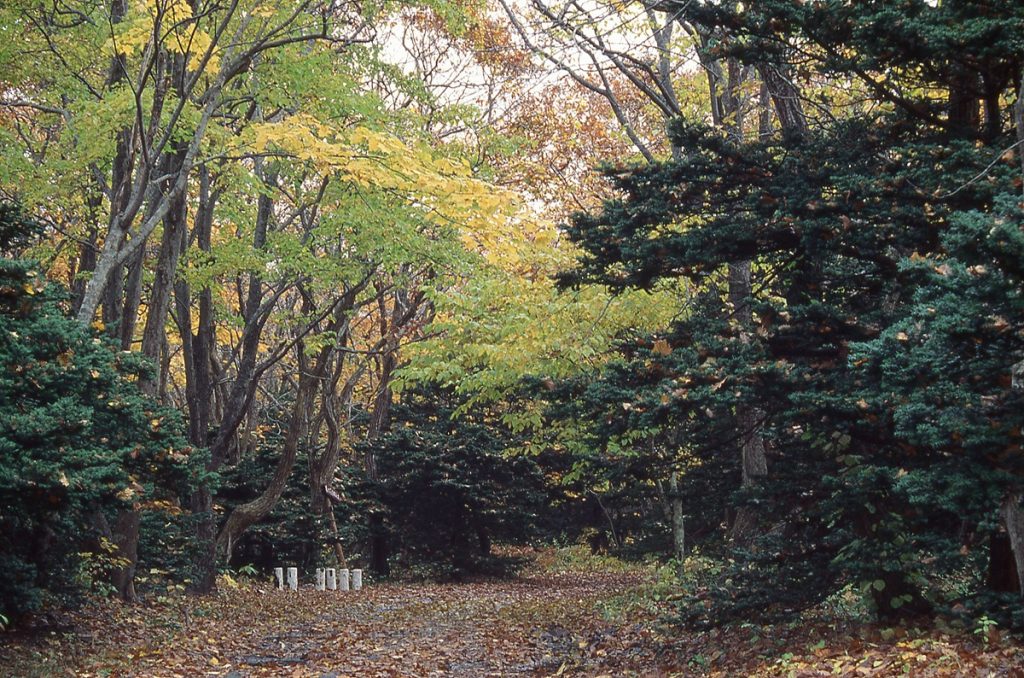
point(842, 218)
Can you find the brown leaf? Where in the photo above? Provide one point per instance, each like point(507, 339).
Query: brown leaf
point(661, 347)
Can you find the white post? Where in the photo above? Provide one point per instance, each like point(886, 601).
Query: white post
point(343, 579)
point(293, 578)
point(332, 579)
point(357, 580)
point(279, 575)
point(321, 579)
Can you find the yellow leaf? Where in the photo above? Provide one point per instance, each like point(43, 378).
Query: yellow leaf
point(228, 581)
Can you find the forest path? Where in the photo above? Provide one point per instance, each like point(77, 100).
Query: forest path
point(554, 620)
point(531, 625)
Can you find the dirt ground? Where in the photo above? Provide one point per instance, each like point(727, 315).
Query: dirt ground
point(545, 622)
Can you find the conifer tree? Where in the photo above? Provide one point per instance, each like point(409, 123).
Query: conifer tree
point(78, 439)
point(884, 317)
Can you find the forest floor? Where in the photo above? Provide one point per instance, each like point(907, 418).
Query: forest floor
point(559, 618)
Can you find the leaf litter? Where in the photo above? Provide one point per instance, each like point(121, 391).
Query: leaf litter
point(593, 622)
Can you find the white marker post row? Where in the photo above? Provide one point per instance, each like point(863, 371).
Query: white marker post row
point(326, 579)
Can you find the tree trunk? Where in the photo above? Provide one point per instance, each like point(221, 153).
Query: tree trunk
point(459, 541)
point(1002, 568)
point(198, 392)
point(754, 464)
point(1013, 520)
point(379, 422)
point(243, 516)
point(786, 100)
point(171, 243)
point(380, 415)
point(125, 532)
point(672, 506)
point(310, 380)
point(483, 540)
point(124, 536)
point(896, 587)
point(112, 275)
point(132, 300)
point(86, 264)
point(1017, 375)
point(322, 466)
point(1018, 118)
point(339, 552)
point(788, 106)
point(678, 519)
point(963, 107)
point(379, 548)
